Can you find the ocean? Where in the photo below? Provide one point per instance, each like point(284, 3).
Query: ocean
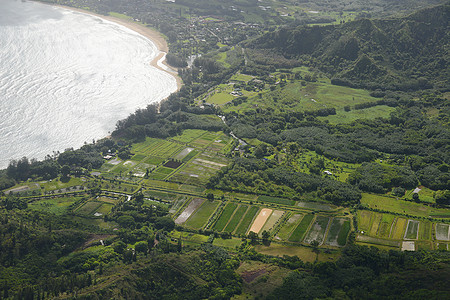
point(66, 78)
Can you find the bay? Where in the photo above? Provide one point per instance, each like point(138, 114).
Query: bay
point(66, 78)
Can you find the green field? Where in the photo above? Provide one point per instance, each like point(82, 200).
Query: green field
point(239, 213)
point(401, 206)
point(412, 229)
point(300, 230)
point(276, 200)
point(425, 230)
point(343, 234)
point(89, 208)
point(247, 220)
point(290, 224)
point(384, 228)
point(57, 206)
point(201, 216)
point(333, 232)
point(225, 216)
point(364, 217)
point(317, 230)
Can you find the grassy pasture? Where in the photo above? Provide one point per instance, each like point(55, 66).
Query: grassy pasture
point(304, 253)
point(341, 116)
point(247, 220)
point(300, 230)
point(317, 230)
point(199, 218)
point(225, 216)
point(289, 226)
point(239, 213)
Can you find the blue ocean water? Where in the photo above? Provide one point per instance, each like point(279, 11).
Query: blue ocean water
point(66, 78)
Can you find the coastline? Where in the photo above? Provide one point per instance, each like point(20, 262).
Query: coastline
point(154, 36)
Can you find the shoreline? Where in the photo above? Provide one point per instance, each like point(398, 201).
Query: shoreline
point(154, 36)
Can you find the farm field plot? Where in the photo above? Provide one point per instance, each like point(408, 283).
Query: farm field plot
point(408, 246)
point(108, 200)
point(425, 230)
point(364, 217)
point(153, 160)
point(442, 232)
point(141, 147)
point(377, 241)
point(289, 226)
point(424, 245)
point(375, 224)
point(260, 220)
point(314, 206)
point(269, 199)
point(399, 228)
point(299, 232)
point(239, 213)
point(385, 226)
point(138, 157)
point(343, 233)
point(192, 206)
point(247, 220)
point(334, 231)
point(183, 153)
point(167, 150)
point(57, 206)
point(161, 195)
point(225, 216)
point(273, 219)
point(412, 229)
point(317, 230)
point(89, 208)
point(191, 154)
point(104, 209)
point(189, 135)
point(177, 204)
point(401, 206)
point(201, 216)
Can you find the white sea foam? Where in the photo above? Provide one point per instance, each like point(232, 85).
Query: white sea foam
point(66, 78)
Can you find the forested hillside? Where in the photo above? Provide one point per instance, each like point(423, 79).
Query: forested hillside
point(408, 53)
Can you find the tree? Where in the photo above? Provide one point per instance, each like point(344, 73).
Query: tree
point(415, 197)
point(253, 236)
point(65, 171)
point(210, 196)
point(265, 237)
point(120, 247)
point(142, 247)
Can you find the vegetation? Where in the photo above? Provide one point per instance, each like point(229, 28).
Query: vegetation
point(330, 140)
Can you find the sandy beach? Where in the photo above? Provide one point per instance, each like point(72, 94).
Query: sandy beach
point(149, 33)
